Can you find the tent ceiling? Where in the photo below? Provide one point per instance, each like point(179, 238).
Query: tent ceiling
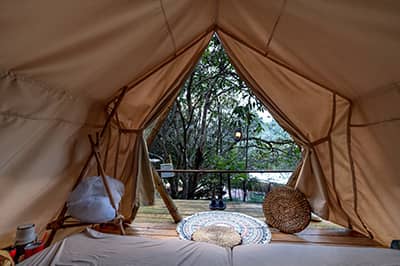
point(348, 47)
point(94, 48)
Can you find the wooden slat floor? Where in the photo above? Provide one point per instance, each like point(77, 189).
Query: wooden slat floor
point(155, 222)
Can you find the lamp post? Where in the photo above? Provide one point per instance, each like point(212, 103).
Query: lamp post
point(238, 137)
point(246, 164)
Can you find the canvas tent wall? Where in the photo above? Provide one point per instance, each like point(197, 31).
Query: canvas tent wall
point(327, 71)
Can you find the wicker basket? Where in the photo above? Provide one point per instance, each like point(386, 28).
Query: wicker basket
point(287, 209)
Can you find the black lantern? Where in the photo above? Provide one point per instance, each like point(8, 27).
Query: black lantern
point(238, 134)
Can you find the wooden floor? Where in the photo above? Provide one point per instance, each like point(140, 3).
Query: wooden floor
point(155, 222)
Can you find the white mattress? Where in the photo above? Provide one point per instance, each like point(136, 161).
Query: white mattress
point(283, 254)
point(94, 248)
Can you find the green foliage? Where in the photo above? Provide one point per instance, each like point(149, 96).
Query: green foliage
point(198, 132)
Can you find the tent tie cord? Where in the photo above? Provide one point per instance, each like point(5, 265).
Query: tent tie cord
point(318, 141)
point(138, 131)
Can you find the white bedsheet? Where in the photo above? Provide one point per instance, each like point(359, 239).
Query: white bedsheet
point(285, 254)
point(94, 248)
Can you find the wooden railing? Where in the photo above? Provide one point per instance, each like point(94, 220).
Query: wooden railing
point(224, 174)
point(213, 171)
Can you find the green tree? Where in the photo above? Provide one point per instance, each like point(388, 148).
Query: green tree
point(198, 132)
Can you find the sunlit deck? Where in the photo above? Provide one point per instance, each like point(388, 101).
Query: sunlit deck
point(155, 222)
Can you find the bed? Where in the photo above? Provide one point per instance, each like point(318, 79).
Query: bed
point(94, 248)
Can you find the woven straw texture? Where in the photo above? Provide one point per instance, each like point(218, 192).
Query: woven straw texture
point(287, 209)
point(223, 236)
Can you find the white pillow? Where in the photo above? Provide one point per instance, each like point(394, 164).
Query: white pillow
point(89, 202)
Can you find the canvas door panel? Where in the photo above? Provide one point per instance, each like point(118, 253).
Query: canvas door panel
point(296, 97)
point(376, 164)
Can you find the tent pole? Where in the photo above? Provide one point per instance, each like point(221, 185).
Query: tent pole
point(57, 224)
point(169, 203)
point(95, 149)
point(114, 110)
point(102, 172)
point(135, 210)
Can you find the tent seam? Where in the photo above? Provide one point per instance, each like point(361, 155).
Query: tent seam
point(333, 114)
point(147, 74)
point(231, 54)
point(333, 179)
point(25, 117)
point(191, 65)
point(332, 159)
point(168, 27)
point(41, 84)
point(232, 35)
point(351, 161)
point(274, 27)
point(276, 62)
point(34, 136)
point(376, 123)
point(217, 7)
point(319, 141)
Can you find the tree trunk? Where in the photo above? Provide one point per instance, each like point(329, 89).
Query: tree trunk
point(244, 190)
point(229, 188)
point(199, 151)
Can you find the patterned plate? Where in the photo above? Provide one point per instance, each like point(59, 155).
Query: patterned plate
point(251, 230)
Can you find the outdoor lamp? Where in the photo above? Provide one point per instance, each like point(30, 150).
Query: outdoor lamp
point(238, 134)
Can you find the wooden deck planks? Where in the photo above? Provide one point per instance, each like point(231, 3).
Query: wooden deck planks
point(155, 222)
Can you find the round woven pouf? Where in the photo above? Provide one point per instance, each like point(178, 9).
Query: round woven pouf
point(287, 209)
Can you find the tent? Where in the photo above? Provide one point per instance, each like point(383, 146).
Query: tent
point(328, 71)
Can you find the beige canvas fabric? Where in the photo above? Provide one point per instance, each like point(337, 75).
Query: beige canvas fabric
point(327, 71)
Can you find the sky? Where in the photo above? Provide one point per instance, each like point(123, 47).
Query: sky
point(266, 116)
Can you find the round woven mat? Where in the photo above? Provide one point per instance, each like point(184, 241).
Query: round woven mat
point(287, 209)
point(251, 230)
point(223, 236)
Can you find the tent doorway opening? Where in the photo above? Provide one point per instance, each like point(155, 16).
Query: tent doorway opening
point(218, 123)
